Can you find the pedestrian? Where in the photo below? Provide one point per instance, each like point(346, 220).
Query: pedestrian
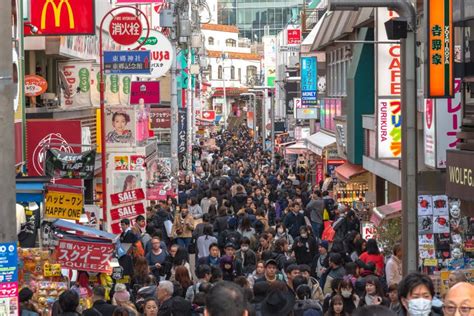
point(392, 294)
point(416, 293)
point(304, 247)
point(336, 271)
point(183, 227)
point(121, 298)
point(247, 256)
point(127, 236)
point(393, 268)
point(183, 278)
point(459, 300)
point(374, 293)
point(350, 299)
point(150, 307)
point(99, 305)
point(373, 255)
point(304, 304)
point(157, 259)
point(316, 208)
point(164, 294)
point(27, 308)
point(203, 273)
point(336, 307)
point(228, 299)
point(455, 277)
point(282, 233)
point(205, 241)
point(68, 303)
point(258, 273)
point(213, 259)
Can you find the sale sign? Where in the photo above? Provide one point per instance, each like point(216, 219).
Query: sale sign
point(61, 17)
point(127, 211)
point(125, 28)
point(85, 256)
point(127, 197)
point(35, 85)
point(368, 230)
point(65, 205)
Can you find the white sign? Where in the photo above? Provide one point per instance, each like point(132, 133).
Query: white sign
point(74, 77)
point(368, 230)
point(161, 52)
point(442, 121)
point(389, 131)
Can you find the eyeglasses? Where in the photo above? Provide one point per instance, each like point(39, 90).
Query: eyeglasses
point(451, 310)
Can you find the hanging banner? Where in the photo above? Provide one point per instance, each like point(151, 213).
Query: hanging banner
point(64, 17)
point(75, 82)
point(309, 81)
point(149, 91)
point(60, 164)
point(182, 130)
point(85, 256)
point(269, 59)
point(389, 132)
point(61, 204)
point(440, 33)
point(127, 196)
point(127, 211)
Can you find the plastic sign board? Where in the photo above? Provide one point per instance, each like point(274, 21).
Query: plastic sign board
point(127, 196)
point(389, 133)
point(66, 205)
point(85, 256)
point(125, 28)
point(149, 91)
point(369, 231)
point(439, 69)
point(62, 17)
point(127, 62)
point(309, 81)
point(35, 85)
point(126, 211)
point(8, 262)
point(293, 36)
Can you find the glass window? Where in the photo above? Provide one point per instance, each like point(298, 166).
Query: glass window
point(232, 72)
point(210, 72)
point(230, 42)
point(210, 40)
point(219, 72)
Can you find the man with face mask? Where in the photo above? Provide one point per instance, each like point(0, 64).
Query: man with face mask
point(416, 292)
point(304, 247)
point(247, 256)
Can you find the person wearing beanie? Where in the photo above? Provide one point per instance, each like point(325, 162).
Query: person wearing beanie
point(320, 261)
point(26, 305)
point(122, 298)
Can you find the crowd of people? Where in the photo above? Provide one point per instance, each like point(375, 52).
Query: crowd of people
point(247, 236)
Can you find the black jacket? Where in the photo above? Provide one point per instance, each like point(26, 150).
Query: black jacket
point(102, 307)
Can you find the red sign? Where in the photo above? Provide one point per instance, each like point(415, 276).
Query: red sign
point(35, 85)
point(160, 117)
point(294, 36)
point(159, 193)
point(61, 17)
point(127, 211)
point(85, 256)
point(319, 172)
point(127, 196)
point(61, 135)
point(125, 28)
point(208, 115)
point(149, 91)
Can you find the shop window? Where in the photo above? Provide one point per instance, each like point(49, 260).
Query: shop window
point(232, 72)
point(230, 42)
point(219, 72)
point(210, 40)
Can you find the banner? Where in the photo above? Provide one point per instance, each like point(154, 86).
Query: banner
point(60, 164)
point(269, 59)
point(127, 211)
point(85, 256)
point(389, 133)
point(182, 130)
point(66, 205)
point(127, 196)
point(75, 80)
point(149, 91)
point(160, 118)
point(309, 81)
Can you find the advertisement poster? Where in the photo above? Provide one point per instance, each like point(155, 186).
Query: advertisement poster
point(121, 163)
point(440, 205)
point(425, 205)
point(120, 126)
point(60, 164)
point(309, 81)
point(85, 256)
point(127, 197)
point(441, 224)
point(389, 133)
point(149, 91)
point(126, 211)
point(137, 162)
point(425, 224)
point(75, 77)
point(426, 246)
point(44, 134)
point(126, 181)
point(9, 304)
point(269, 53)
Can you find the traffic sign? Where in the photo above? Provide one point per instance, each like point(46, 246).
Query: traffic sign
point(125, 28)
point(127, 62)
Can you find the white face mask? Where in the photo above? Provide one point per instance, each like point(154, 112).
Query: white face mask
point(280, 231)
point(304, 235)
point(244, 248)
point(346, 293)
point(419, 307)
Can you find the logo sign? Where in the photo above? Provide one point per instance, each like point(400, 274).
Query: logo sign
point(8, 262)
point(125, 28)
point(460, 174)
point(208, 115)
point(127, 197)
point(62, 17)
point(368, 230)
point(53, 134)
point(439, 74)
point(161, 52)
point(149, 91)
point(182, 130)
point(127, 62)
point(127, 211)
point(293, 36)
point(61, 164)
point(35, 85)
point(117, 273)
point(75, 76)
point(441, 125)
point(160, 117)
point(389, 133)
point(65, 205)
point(86, 256)
point(309, 81)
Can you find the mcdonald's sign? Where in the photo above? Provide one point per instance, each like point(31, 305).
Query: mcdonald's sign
point(62, 17)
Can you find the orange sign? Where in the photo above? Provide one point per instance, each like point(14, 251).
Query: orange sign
point(440, 80)
point(61, 17)
point(35, 85)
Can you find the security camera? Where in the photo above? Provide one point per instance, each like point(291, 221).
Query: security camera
point(33, 28)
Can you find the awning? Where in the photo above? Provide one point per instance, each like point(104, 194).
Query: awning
point(30, 189)
point(347, 171)
point(319, 141)
point(388, 211)
point(296, 149)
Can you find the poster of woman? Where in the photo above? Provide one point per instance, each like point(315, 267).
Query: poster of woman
point(120, 127)
point(126, 181)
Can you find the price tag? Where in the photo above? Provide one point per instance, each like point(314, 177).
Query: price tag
point(430, 262)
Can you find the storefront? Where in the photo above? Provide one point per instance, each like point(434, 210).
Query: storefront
point(353, 183)
point(323, 155)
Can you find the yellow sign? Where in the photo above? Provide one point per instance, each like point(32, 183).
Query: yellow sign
point(430, 262)
point(57, 13)
point(65, 205)
point(52, 270)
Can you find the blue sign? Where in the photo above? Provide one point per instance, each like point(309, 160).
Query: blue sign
point(309, 81)
point(8, 262)
point(135, 62)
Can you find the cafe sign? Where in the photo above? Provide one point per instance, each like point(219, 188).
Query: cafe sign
point(460, 174)
point(439, 76)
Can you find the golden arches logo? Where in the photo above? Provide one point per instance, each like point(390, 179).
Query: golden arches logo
point(57, 13)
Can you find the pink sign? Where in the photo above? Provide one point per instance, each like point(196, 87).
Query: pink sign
point(149, 91)
point(138, 1)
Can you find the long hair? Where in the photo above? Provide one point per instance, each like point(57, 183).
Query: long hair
point(140, 268)
point(336, 299)
point(372, 247)
point(182, 277)
point(374, 280)
point(128, 180)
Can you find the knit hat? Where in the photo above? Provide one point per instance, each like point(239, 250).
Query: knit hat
point(25, 294)
point(121, 293)
point(324, 244)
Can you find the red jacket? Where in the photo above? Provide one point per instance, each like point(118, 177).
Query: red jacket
point(378, 260)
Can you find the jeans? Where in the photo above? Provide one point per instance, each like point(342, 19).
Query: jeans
point(184, 242)
point(317, 229)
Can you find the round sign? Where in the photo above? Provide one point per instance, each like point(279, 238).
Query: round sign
point(161, 52)
point(125, 28)
point(35, 85)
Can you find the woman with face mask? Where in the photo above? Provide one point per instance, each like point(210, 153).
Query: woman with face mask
point(282, 233)
point(349, 298)
point(416, 292)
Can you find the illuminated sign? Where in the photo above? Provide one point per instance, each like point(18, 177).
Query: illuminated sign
point(389, 133)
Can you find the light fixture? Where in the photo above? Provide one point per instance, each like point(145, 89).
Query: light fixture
point(33, 206)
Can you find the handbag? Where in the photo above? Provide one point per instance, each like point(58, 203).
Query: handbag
point(168, 227)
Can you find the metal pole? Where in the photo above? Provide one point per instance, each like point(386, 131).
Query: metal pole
point(272, 117)
point(224, 106)
point(103, 153)
point(255, 138)
point(174, 104)
point(8, 231)
point(189, 110)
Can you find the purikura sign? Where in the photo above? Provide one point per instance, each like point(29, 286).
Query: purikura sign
point(389, 132)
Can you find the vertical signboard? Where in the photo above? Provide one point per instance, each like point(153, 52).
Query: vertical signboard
point(8, 279)
point(388, 84)
point(269, 57)
point(439, 68)
point(293, 36)
point(309, 81)
point(429, 132)
point(182, 131)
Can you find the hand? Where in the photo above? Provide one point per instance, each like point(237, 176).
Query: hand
point(157, 265)
point(377, 300)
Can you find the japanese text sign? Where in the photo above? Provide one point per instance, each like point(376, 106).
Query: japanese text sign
point(149, 91)
point(65, 205)
point(182, 130)
point(62, 17)
point(439, 75)
point(160, 117)
point(293, 36)
point(127, 62)
point(309, 81)
point(9, 305)
point(125, 28)
point(35, 85)
point(86, 256)
point(389, 132)
point(8, 262)
point(127, 211)
point(127, 196)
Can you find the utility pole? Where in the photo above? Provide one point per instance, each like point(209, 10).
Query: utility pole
point(272, 118)
point(7, 157)
point(189, 111)
point(174, 100)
